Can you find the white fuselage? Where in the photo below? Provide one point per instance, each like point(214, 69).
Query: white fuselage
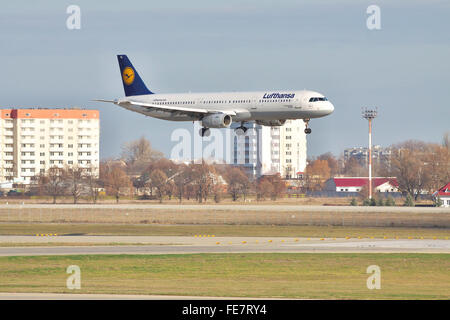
point(242, 106)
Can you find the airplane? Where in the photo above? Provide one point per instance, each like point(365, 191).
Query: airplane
point(220, 109)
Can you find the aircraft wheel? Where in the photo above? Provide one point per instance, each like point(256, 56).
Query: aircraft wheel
point(205, 132)
point(240, 131)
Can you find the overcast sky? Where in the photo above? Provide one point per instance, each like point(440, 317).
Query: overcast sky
point(199, 46)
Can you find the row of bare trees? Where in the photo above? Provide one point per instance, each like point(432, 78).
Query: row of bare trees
point(73, 181)
point(419, 167)
point(160, 179)
point(80, 182)
point(199, 181)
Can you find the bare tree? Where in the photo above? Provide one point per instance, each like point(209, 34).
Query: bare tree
point(138, 154)
point(333, 164)
point(75, 181)
point(446, 140)
point(202, 180)
point(115, 180)
point(274, 183)
point(53, 183)
point(353, 168)
point(317, 172)
point(238, 182)
point(264, 189)
point(158, 180)
point(408, 165)
point(181, 179)
point(94, 183)
point(437, 164)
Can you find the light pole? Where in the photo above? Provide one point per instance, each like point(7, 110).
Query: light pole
point(370, 114)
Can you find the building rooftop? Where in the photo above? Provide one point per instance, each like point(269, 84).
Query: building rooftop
point(444, 191)
point(43, 113)
point(361, 181)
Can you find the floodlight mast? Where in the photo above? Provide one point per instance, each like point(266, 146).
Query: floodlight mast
point(369, 115)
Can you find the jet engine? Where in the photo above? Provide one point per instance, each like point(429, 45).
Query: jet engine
point(216, 120)
point(271, 123)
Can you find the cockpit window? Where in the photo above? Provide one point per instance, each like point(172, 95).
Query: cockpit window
point(314, 99)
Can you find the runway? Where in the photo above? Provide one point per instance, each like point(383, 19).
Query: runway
point(82, 245)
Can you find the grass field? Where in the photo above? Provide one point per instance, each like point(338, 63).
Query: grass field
point(229, 215)
point(226, 199)
point(220, 230)
point(315, 276)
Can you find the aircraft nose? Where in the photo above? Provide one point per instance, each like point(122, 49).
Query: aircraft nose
point(330, 107)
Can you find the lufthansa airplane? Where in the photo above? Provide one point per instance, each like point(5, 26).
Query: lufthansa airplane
point(219, 109)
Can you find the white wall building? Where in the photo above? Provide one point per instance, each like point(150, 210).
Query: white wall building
point(444, 195)
point(269, 150)
point(34, 140)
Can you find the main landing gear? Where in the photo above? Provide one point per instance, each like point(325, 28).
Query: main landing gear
point(307, 130)
point(204, 132)
point(240, 131)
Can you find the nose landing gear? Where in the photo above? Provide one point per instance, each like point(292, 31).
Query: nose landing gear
point(307, 130)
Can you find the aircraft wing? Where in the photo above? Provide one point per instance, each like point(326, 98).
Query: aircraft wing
point(169, 108)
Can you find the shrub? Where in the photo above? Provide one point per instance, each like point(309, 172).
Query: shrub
point(353, 202)
point(408, 201)
point(390, 202)
point(380, 202)
point(438, 202)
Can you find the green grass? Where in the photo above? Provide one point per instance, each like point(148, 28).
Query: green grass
point(219, 230)
point(286, 275)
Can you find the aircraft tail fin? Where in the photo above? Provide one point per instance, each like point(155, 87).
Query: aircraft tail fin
point(132, 82)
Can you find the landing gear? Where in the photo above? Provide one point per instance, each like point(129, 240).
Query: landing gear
point(307, 130)
point(240, 131)
point(204, 132)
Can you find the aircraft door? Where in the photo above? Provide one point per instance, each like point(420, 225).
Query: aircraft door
point(255, 105)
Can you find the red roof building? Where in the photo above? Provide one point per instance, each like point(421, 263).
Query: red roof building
point(444, 195)
point(355, 184)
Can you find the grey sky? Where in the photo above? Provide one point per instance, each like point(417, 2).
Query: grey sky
point(199, 46)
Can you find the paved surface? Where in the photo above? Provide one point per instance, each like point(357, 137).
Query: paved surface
point(184, 245)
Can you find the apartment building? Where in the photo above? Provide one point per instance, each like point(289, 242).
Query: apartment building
point(34, 140)
point(269, 150)
point(379, 154)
